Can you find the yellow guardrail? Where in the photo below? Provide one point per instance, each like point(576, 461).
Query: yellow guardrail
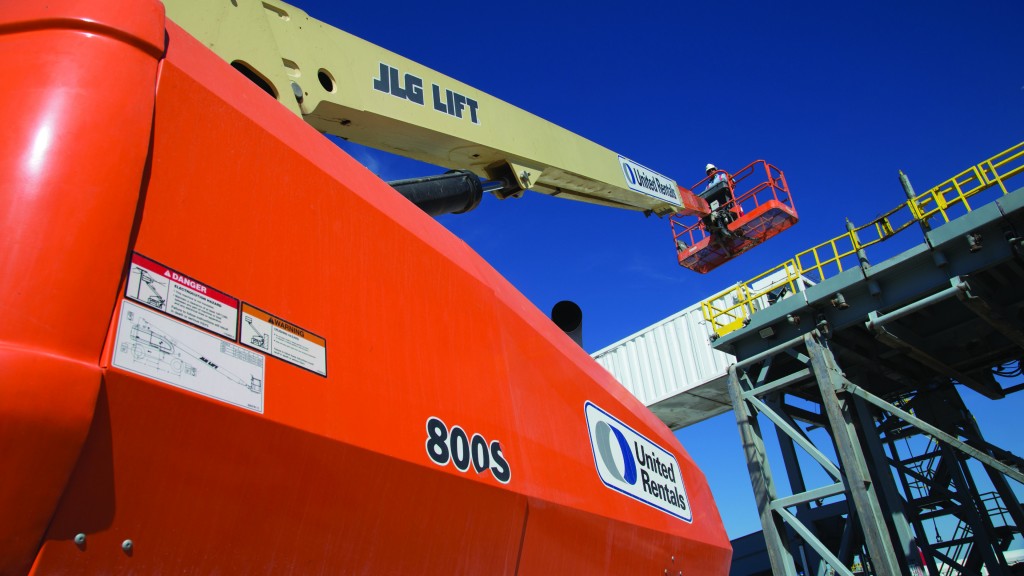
point(731, 309)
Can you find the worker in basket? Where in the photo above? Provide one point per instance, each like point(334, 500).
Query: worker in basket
point(720, 200)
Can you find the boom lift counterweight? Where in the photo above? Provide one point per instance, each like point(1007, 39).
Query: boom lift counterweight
point(409, 411)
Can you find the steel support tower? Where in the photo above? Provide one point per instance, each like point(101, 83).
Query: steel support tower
point(860, 374)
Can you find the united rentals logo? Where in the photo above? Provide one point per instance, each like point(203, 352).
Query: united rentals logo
point(629, 463)
point(645, 181)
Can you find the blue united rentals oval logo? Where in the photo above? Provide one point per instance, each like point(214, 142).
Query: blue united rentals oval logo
point(630, 176)
point(617, 459)
point(629, 463)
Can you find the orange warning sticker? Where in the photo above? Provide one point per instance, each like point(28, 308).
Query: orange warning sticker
point(283, 340)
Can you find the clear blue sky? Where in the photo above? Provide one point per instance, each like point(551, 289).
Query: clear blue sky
point(840, 96)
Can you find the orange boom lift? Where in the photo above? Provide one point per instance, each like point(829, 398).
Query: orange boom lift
point(177, 399)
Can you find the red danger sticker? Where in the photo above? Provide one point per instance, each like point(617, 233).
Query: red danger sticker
point(182, 296)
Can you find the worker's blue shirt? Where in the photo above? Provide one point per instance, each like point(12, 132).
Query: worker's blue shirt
point(718, 177)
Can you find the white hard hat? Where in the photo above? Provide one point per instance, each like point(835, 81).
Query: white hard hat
point(710, 167)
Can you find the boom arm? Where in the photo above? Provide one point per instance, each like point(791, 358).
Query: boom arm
point(348, 87)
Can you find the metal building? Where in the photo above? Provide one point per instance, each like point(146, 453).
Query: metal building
point(672, 367)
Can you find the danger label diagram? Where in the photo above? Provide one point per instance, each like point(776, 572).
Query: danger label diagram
point(181, 296)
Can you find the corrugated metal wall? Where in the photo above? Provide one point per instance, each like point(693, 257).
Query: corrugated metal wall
point(666, 359)
point(672, 368)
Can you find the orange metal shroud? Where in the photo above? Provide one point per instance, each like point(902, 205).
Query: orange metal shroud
point(126, 135)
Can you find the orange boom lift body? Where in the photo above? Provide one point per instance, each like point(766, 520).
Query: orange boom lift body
point(356, 392)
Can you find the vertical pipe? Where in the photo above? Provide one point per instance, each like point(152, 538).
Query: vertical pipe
point(568, 316)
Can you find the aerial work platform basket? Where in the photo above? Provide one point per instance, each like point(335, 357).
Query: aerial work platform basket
point(746, 209)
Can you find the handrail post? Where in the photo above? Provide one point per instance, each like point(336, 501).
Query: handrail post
point(915, 210)
point(862, 256)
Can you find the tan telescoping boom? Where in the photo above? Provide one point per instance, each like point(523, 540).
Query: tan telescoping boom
point(348, 87)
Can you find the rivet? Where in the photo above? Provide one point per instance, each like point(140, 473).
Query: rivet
point(127, 546)
point(80, 539)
